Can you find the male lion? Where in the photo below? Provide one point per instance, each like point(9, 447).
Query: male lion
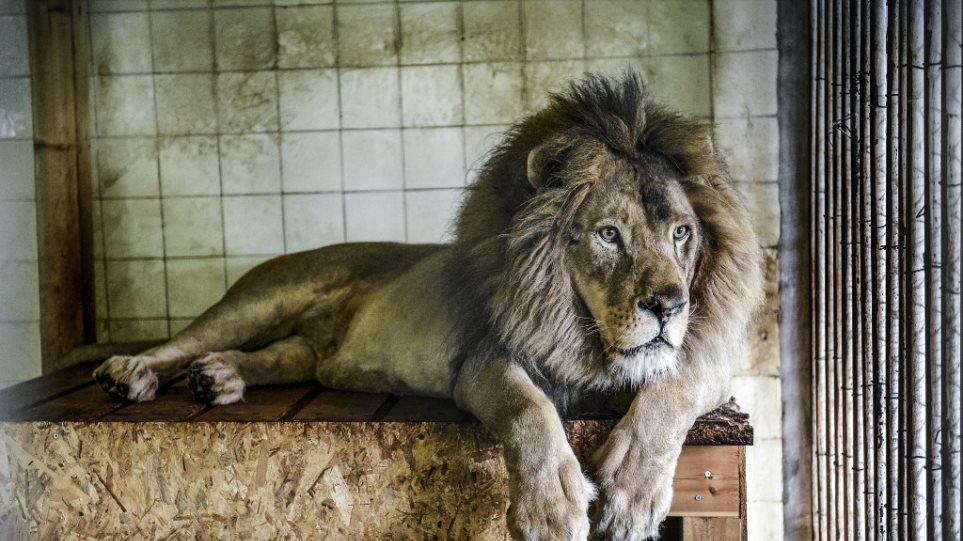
point(601, 252)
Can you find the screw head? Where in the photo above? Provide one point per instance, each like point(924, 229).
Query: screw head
point(708, 474)
point(698, 497)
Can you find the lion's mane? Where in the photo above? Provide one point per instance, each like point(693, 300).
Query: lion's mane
point(509, 235)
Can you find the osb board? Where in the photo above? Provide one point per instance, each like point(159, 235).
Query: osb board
point(251, 480)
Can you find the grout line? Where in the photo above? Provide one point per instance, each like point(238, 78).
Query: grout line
point(401, 107)
point(277, 137)
point(337, 66)
point(212, 27)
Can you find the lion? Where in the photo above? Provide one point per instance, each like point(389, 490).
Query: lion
point(602, 257)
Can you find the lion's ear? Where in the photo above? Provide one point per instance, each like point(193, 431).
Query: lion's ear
point(545, 163)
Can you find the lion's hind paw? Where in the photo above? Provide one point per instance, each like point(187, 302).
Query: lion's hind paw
point(214, 379)
point(127, 378)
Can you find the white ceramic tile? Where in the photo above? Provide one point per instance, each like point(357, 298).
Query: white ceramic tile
point(764, 470)
point(181, 40)
point(617, 67)
point(742, 25)
point(616, 28)
point(16, 116)
point(492, 31)
point(751, 145)
point(19, 291)
point(744, 83)
point(377, 216)
point(301, 2)
point(250, 164)
point(193, 285)
point(553, 30)
point(434, 158)
point(13, 6)
point(543, 78)
point(429, 33)
point(238, 266)
point(762, 202)
point(18, 230)
point(311, 162)
point(100, 290)
point(762, 354)
point(431, 214)
point(136, 289)
point(244, 39)
point(103, 6)
point(313, 220)
point(247, 102)
point(367, 35)
point(309, 99)
point(306, 37)
point(156, 5)
point(253, 225)
point(17, 174)
point(679, 26)
point(370, 98)
point(682, 82)
point(372, 160)
point(120, 43)
point(493, 93)
point(125, 105)
point(20, 357)
point(127, 167)
point(479, 141)
point(178, 324)
point(764, 521)
point(193, 226)
point(760, 397)
point(14, 55)
point(135, 330)
point(189, 166)
point(431, 96)
point(132, 228)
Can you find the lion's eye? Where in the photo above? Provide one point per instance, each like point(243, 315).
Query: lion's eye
point(681, 233)
point(608, 234)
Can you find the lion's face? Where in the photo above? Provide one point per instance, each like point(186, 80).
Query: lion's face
point(631, 256)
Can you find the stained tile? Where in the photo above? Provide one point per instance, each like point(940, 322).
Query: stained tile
point(553, 30)
point(309, 99)
point(17, 173)
point(616, 28)
point(136, 289)
point(493, 93)
point(20, 356)
point(181, 40)
point(367, 35)
point(372, 160)
point(125, 105)
point(762, 202)
point(193, 285)
point(250, 164)
point(739, 26)
point(429, 33)
point(431, 96)
point(312, 221)
point(492, 31)
point(14, 55)
point(245, 39)
point(185, 104)
point(193, 227)
point(104, 6)
point(744, 83)
point(13, 6)
point(16, 116)
point(375, 216)
point(543, 78)
point(18, 230)
point(751, 145)
point(679, 26)
point(370, 98)
point(434, 158)
point(306, 37)
point(682, 82)
point(431, 214)
point(479, 141)
point(253, 225)
point(760, 397)
point(127, 167)
point(132, 228)
point(311, 162)
point(136, 330)
point(238, 266)
point(19, 291)
point(247, 102)
point(189, 166)
point(120, 43)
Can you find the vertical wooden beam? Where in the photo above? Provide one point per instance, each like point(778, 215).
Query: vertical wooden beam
point(62, 156)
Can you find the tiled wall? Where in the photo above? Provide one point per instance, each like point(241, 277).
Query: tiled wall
point(19, 297)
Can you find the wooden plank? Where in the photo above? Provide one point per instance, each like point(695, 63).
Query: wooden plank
point(717, 529)
point(332, 405)
point(84, 404)
point(719, 493)
point(424, 409)
point(173, 403)
point(64, 233)
point(271, 403)
point(30, 393)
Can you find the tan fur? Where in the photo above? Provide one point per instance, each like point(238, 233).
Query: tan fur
point(529, 314)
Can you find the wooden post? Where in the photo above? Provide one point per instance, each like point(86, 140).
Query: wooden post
point(62, 155)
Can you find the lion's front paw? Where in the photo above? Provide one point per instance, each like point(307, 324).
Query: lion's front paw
point(551, 502)
point(633, 509)
point(214, 379)
point(127, 378)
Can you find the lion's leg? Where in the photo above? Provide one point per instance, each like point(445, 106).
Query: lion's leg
point(549, 494)
point(221, 377)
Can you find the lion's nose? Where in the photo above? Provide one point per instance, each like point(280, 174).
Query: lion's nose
point(664, 304)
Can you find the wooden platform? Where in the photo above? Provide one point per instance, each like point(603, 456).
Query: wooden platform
point(298, 462)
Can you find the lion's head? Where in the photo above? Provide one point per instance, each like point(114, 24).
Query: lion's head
point(608, 241)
